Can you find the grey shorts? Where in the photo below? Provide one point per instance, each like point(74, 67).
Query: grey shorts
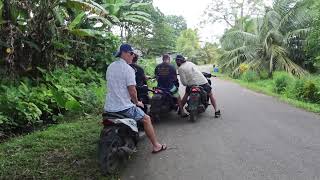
point(134, 113)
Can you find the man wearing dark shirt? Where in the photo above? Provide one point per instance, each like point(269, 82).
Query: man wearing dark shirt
point(141, 78)
point(166, 76)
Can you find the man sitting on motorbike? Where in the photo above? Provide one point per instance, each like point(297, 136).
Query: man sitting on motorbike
point(122, 95)
point(166, 76)
point(141, 80)
point(190, 75)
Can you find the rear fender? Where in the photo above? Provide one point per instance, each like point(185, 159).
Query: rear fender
point(193, 101)
point(131, 123)
point(156, 103)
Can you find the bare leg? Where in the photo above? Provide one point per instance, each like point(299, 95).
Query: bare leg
point(184, 99)
point(181, 109)
point(217, 112)
point(148, 128)
point(213, 102)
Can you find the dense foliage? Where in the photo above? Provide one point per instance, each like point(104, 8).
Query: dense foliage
point(54, 54)
point(27, 104)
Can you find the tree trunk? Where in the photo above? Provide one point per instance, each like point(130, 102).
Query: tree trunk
point(271, 67)
point(121, 32)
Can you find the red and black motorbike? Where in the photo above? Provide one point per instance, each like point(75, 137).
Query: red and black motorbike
point(198, 100)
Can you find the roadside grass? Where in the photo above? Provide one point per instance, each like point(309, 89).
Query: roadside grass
point(63, 151)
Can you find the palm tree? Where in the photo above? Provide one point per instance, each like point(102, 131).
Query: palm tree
point(267, 46)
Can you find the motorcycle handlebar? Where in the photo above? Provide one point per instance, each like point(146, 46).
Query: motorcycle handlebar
point(207, 74)
point(145, 87)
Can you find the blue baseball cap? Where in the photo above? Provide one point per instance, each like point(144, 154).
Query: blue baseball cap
point(124, 48)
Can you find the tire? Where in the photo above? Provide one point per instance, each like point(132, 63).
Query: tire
point(155, 117)
point(109, 159)
point(193, 116)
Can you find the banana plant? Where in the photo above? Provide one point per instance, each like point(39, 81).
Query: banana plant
point(126, 11)
point(93, 11)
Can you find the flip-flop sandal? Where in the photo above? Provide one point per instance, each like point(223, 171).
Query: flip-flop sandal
point(217, 114)
point(163, 147)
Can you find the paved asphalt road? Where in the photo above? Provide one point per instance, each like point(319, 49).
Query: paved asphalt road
point(256, 138)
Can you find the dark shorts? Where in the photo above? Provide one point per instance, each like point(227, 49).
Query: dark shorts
point(134, 112)
point(206, 87)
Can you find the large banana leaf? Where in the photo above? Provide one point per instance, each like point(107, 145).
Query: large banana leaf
point(138, 13)
point(57, 14)
point(140, 5)
point(101, 19)
point(86, 32)
point(136, 19)
point(90, 6)
point(76, 21)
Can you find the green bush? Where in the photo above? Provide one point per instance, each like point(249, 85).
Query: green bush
point(282, 80)
point(250, 76)
point(306, 89)
point(311, 92)
point(23, 105)
point(263, 75)
point(34, 103)
point(295, 90)
point(148, 65)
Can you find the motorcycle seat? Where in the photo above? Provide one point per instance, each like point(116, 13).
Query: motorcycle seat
point(113, 115)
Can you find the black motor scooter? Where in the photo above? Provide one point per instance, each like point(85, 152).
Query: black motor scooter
point(162, 102)
point(118, 140)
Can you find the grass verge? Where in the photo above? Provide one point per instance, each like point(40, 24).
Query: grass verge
point(64, 151)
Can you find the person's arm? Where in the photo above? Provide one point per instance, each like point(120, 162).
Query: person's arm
point(133, 94)
point(175, 76)
point(183, 77)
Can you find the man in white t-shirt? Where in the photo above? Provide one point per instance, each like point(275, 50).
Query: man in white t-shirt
point(190, 75)
point(122, 94)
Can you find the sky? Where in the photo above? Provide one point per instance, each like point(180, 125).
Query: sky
point(192, 12)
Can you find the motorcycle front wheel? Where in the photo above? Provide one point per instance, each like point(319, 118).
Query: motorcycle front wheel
point(155, 117)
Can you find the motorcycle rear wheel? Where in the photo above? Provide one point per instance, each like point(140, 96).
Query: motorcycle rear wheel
point(109, 159)
point(193, 116)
